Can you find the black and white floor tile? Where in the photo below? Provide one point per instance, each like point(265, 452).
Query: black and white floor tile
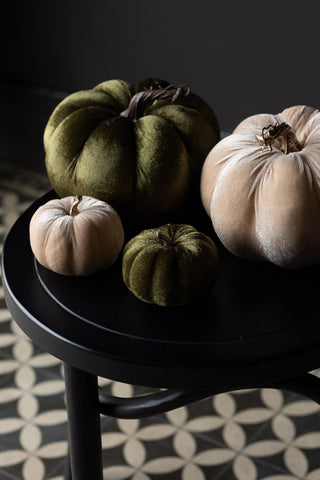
point(259, 434)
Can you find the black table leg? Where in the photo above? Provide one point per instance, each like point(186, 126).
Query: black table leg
point(67, 468)
point(306, 384)
point(85, 403)
point(83, 424)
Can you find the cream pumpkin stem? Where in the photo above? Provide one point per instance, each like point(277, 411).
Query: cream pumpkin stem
point(140, 100)
point(74, 207)
point(165, 239)
point(282, 136)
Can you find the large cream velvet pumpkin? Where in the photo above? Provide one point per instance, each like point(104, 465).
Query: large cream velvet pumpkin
point(261, 188)
point(76, 235)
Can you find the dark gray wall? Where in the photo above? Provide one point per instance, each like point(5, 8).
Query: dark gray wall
point(242, 57)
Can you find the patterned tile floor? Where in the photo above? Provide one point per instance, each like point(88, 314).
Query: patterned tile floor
point(259, 434)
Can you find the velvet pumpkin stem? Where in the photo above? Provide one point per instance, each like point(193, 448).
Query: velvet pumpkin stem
point(165, 239)
point(74, 207)
point(281, 135)
point(141, 100)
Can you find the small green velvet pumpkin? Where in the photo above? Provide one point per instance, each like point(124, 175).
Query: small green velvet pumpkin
point(138, 147)
point(171, 265)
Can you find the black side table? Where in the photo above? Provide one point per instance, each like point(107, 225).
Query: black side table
point(258, 327)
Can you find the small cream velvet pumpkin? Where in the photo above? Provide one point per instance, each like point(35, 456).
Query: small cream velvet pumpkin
point(76, 235)
point(261, 188)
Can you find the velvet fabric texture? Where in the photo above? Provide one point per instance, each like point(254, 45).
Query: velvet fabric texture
point(141, 166)
point(265, 205)
point(172, 267)
point(87, 241)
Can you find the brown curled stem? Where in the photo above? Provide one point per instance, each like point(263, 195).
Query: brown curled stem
point(281, 136)
point(165, 239)
point(74, 207)
point(138, 103)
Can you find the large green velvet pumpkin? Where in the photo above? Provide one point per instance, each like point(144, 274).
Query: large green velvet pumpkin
point(138, 147)
point(171, 265)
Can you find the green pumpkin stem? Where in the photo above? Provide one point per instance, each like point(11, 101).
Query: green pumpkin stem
point(74, 207)
point(140, 100)
point(165, 239)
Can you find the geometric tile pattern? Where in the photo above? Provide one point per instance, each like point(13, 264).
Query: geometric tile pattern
point(257, 434)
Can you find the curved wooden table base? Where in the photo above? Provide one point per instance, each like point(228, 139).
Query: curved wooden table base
point(258, 327)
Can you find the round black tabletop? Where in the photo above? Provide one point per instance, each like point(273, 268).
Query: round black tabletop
point(258, 324)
